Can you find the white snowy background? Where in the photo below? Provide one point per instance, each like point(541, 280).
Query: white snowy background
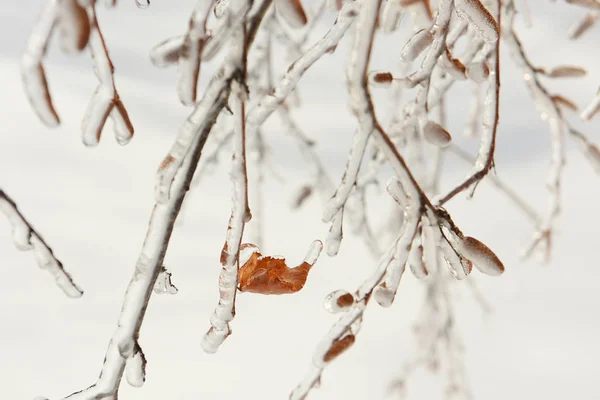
point(92, 207)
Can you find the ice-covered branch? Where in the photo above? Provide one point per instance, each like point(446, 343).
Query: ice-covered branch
point(77, 28)
point(240, 215)
point(124, 353)
point(485, 157)
point(343, 333)
point(265, 107)
point(517, 200)
point(551, 113)
point(27, 238)
point(105, 102)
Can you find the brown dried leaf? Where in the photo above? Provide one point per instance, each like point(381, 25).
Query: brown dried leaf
point(270, 275)
point(562, 101)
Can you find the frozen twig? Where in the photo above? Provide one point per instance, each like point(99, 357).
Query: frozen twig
point(188, 134)
point(105, 102)
point(240, 215)
point(485, 158)
point(517, 200)
point(27, 238)
point(552, 114)
point(78, 28)
point(265, 107)
point(384, 282)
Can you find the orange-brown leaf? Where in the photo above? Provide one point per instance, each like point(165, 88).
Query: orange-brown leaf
point(269, 275)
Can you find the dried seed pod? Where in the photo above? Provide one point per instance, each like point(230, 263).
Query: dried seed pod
point(474, 12)
point(563, 102)
point(436, 135)
point(417, 262)
point(337, 301)
point(167, 53)
point(394, 188)
point(383, 295)
point(303, 194)
point(479, 254)
point(567, 71)
point(381, 79)
point(339, 346)
point(391, 16)
point(581, 26)
point(592, 152)
point(73, 26)
point(292, 12)
point(416, 44)
point(478, 72)
point(453, 66)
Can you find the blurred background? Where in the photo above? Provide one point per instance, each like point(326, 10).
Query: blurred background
point(92, 206)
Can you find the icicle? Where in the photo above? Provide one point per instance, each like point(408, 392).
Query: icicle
point(135, 369)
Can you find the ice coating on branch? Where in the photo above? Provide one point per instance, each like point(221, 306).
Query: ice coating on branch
point(96, 115)
point(135, 369)
point(32, 70)
point(474, 12)
point(26, 238)
point(292, 12)
point(416, 45)
point(435, 134)
point(73, 26)
point(479, 254)
point(338, 301)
